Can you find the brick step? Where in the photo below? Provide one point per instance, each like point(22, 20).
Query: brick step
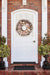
point(35, 72)
point(24, 64)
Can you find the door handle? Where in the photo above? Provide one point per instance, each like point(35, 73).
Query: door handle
point(34, 41)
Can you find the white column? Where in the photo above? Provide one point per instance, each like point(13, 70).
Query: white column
point(44, 20)
point(4, 24)
point(44, 17)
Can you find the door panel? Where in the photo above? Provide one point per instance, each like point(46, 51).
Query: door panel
point(23, 48)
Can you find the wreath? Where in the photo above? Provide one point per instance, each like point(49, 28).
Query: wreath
point(24, 27)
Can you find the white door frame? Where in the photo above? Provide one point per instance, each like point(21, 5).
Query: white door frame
point(4, 24)
point(44, 21)
point(4, 18)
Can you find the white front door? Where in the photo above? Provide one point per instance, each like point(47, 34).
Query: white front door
point(24, 48)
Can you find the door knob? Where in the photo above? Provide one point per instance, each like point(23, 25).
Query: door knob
point(34, 41)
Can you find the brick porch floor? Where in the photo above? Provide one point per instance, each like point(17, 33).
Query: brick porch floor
point(38, 71)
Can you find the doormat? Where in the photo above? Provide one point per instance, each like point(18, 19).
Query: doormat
point(24, 68)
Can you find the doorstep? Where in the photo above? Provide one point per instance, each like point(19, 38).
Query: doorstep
point(38, 71)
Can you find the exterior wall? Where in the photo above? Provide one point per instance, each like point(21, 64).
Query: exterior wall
point(49, 22)
point(0, 16)
point(17, 4)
